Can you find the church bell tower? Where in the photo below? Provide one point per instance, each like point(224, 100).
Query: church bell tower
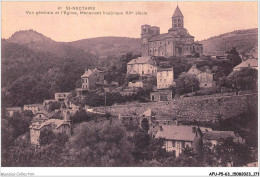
point(177, 19)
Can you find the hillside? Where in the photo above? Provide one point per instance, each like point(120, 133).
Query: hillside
point(104, 47)
point(243, 40)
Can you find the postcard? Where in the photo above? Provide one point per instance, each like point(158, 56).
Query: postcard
point(129, 84)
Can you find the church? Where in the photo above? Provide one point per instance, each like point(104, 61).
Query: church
point(177, 42)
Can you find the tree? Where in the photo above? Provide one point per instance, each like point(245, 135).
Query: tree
point(145, 124)
point(187, 83)
point(80, 116)
point(244, 79)
point(233, 57)
point(226, 152)
point(99, 145)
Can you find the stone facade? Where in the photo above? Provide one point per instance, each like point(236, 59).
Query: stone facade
point(165, 78)
point(142, 66)
point(205, 77)
point(177, 42)
point(161, 95)
point(91, 79)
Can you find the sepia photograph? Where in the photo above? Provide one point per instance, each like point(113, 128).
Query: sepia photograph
point(129, 84)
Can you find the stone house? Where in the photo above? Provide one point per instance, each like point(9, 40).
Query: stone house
point(91, 79)
point(32, 107)
point(165, 78)
point(42, 116)
point(161, 95)
point(55, 125)
point(12, 110)
point(177, 42)
point(205, 77)
point(61, 96)
point(177, 137)
point(251, 63)
point(142, 66)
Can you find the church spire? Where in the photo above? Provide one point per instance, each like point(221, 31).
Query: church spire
point(177, 12)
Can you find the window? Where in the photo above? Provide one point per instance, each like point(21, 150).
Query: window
point(183, 144)
point(173, 143)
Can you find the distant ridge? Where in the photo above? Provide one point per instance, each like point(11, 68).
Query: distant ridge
point(243, 40)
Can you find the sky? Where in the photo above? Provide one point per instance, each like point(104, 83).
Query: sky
point(201, 19)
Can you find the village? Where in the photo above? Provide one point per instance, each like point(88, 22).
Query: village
point(152, 78)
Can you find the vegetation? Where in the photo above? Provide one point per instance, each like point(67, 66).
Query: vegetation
point(187, 83)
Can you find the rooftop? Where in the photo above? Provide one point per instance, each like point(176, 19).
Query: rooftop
point(141, 60)
point(177, 12)
point(175, 132)
point(217, 135)
point(248, 63)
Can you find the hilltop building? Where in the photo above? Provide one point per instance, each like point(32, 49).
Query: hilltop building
point(177, 42)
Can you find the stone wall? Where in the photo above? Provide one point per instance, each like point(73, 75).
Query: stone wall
point(190, 108)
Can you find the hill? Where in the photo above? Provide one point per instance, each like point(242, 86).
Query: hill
point(243, 40)
point(104, 47)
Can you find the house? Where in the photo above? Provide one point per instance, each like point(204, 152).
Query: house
point(32, 107)
point(177, 137)
point(12, 110)
point(251, 63)
point(55, 125)
point(138, 84)
point(205, 77)
point(61, 96)
point(214, 137)
point(161, 95)
point(142, 66)
point(177, 42)
point(91, 79)
point(41, 116)
point(165, 78)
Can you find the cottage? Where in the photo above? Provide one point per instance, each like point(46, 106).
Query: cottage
point(178, 137)
point(165, 78)
point(32, 107)
point(142, 66)
point(205, 77)
point(214, 137)
point(55, 125)
point(12, 110)
point(251, 63)
point(61, 96)
point(91, 79)
point(161, 95)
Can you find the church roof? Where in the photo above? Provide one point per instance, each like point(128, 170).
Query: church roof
point(159, 37)
point(177, 12)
